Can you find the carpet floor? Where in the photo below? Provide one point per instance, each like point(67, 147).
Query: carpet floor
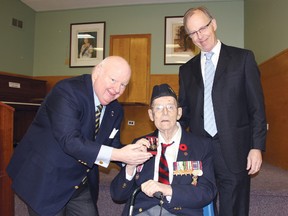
point(269, 194)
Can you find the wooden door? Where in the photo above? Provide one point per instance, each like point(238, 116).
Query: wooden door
point(136, 50)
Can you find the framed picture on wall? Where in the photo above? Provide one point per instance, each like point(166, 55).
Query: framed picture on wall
point(178, 46)
point(87, 41)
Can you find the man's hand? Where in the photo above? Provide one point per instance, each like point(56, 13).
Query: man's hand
point(150, 187)
point(133, 154)
point(254, 161)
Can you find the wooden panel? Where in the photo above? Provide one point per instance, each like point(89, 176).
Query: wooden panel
point(274, 73)
point(143, 125)
point(21, 89)
point(51, 80)
point(120, 46)
point(140, 65)
point(136, 50)
point(6, 148)
point(170, 79)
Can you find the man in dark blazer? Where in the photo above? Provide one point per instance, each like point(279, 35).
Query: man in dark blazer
point(238, 105)
point(54, 169)
point(189, 189)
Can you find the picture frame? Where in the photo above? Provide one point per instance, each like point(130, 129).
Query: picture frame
point(178, 46)
point(87, 44)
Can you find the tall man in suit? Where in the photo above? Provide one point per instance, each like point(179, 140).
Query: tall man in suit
point(190, 177)
point(54, 168)
point(239, 114)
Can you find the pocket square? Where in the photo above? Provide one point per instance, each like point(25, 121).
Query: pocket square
point(113, 133)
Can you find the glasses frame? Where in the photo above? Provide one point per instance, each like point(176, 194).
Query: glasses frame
point(200, 30)
point(160, 108)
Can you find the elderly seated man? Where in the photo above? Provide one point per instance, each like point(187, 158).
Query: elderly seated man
point(181, 173)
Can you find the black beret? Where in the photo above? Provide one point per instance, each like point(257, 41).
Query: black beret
point(162, 90)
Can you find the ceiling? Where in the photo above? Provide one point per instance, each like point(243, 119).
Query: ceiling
point(50, 5)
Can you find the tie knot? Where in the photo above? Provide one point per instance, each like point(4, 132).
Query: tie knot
point(208, 55)
point(100, 107)
point(164, 145)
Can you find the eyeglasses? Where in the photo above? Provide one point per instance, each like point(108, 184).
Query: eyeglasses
point(200, 30)
point(160, 107)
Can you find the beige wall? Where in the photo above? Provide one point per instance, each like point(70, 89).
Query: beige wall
point(266, 29)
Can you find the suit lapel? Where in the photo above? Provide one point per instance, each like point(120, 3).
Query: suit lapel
point(108, 120)
point(90, 92)
point(183, 155)
point(197, 71)
point(223, 61)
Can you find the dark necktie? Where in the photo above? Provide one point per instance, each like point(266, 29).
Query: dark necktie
point(97, 118)
point(163, 166)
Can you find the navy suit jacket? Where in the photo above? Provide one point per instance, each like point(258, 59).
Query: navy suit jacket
point(59, 150)
point(187, 199)
point(237, 100)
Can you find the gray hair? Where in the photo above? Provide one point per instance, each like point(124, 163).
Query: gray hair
point(191, 11)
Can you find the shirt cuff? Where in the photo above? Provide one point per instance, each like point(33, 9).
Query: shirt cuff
point(130, 177)
point(104, 157)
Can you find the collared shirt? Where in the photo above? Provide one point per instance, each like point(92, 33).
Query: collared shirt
point(170, 153)
point(97, 103)
point(215, 57)
point(104, 156)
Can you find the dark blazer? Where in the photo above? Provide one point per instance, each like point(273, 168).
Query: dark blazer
point(237, 99)
point(187, 199)
point(58, 150)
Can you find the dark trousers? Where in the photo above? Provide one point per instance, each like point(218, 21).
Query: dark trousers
point(233, 188)
point(80, 204)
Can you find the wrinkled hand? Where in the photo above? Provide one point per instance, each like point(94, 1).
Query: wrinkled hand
point(150, 187)
point(254, 161)
point(133, 154)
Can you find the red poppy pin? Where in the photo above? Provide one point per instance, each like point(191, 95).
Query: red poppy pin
point(183, 147)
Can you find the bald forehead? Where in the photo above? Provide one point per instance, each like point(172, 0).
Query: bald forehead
point(116, 62)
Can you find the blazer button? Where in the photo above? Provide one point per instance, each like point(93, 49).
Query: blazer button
point(124, 185)
point(140, 209)
point(76, 187)
point(88, 170)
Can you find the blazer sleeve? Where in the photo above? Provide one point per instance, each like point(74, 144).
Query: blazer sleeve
point(256, 107)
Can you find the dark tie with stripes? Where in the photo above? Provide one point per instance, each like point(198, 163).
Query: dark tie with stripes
point(97, 118)
point(163, 166)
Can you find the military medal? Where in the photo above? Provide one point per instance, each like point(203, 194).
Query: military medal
point(153, 140)
point(193, 168)
point(138, 170)
point(137, 176)
point(194, 180)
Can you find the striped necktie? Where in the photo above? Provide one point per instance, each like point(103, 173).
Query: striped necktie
point(209, 117)
point(97, 118)
point(163, 165)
